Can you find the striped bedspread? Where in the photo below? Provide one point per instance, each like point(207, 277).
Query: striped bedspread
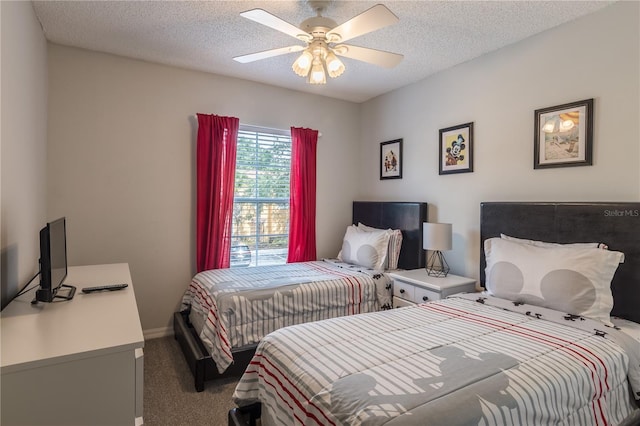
point(239, 306)
point(458, 361)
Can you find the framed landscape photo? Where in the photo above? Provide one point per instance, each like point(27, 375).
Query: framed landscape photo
point(564, 135)
point(391, 159)
point(456, 149)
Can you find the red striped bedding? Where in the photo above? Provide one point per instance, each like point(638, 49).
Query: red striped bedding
point(237, 307)
point(469, 359)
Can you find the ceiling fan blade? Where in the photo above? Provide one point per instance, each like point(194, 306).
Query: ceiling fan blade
point(267, 54)
point(372, 56)
point(370, 20)
point(263, 17)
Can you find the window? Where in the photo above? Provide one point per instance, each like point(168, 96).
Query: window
point(260, 228)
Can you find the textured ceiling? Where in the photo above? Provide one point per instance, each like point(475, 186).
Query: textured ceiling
point(206, 35)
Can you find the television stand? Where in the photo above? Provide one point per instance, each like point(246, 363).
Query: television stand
point(49, 295)
point(69, 295)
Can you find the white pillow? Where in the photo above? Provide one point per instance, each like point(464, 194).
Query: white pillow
point(395, 244)
point(574, 280)
point(368, 249)
point(545, 244)
point(339, 256)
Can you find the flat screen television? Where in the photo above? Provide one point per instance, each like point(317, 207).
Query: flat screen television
point(53, 262)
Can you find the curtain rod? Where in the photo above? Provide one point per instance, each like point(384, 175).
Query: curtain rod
point(253, 126)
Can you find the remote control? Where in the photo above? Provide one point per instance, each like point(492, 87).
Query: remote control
point(109, 287)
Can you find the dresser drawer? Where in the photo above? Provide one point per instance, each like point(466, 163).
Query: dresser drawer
point(417, 286)
point(403, 290)
point(423, 295)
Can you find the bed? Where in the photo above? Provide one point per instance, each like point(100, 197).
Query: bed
point(226, 312)
point(478, 358)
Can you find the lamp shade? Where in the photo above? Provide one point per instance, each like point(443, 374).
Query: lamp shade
point(436, 236)
point(302, 65)
point(335, 67)
point(317, 76)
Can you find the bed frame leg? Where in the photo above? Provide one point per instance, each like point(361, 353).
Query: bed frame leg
point(198, 376)
point(245, 416)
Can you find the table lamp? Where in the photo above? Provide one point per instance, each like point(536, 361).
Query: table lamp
point(437, 238)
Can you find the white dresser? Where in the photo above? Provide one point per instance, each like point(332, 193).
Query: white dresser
point(415, 286)
point(77, 362)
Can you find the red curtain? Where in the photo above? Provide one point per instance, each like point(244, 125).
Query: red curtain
point(302, 207)
point(216, 167)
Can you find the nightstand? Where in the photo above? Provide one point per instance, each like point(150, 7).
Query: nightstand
point(415, 286)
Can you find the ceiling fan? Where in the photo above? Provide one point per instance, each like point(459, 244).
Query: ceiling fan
point(323, 41)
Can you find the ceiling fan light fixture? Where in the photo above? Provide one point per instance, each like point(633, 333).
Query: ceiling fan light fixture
point(335, 67)
point(302, 65)
point(317, 75)
point(322, 37)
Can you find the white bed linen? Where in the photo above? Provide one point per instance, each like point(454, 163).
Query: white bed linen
point(375, 368)
point(235, 308)
point(628, 327)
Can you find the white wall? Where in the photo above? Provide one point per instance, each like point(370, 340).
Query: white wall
point(23, 144)
point(121, 162)
point(596, 57)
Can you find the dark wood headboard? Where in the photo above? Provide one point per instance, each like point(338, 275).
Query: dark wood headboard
point(406, 216)
point(615, 224)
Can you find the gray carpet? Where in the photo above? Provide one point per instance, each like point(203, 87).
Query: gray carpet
point(170, 397)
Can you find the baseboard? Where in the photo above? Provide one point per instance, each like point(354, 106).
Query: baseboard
point(155, 333)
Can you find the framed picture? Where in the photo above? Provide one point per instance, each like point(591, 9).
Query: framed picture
point(391, 159)
point(564, 135)
point(456, 149)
